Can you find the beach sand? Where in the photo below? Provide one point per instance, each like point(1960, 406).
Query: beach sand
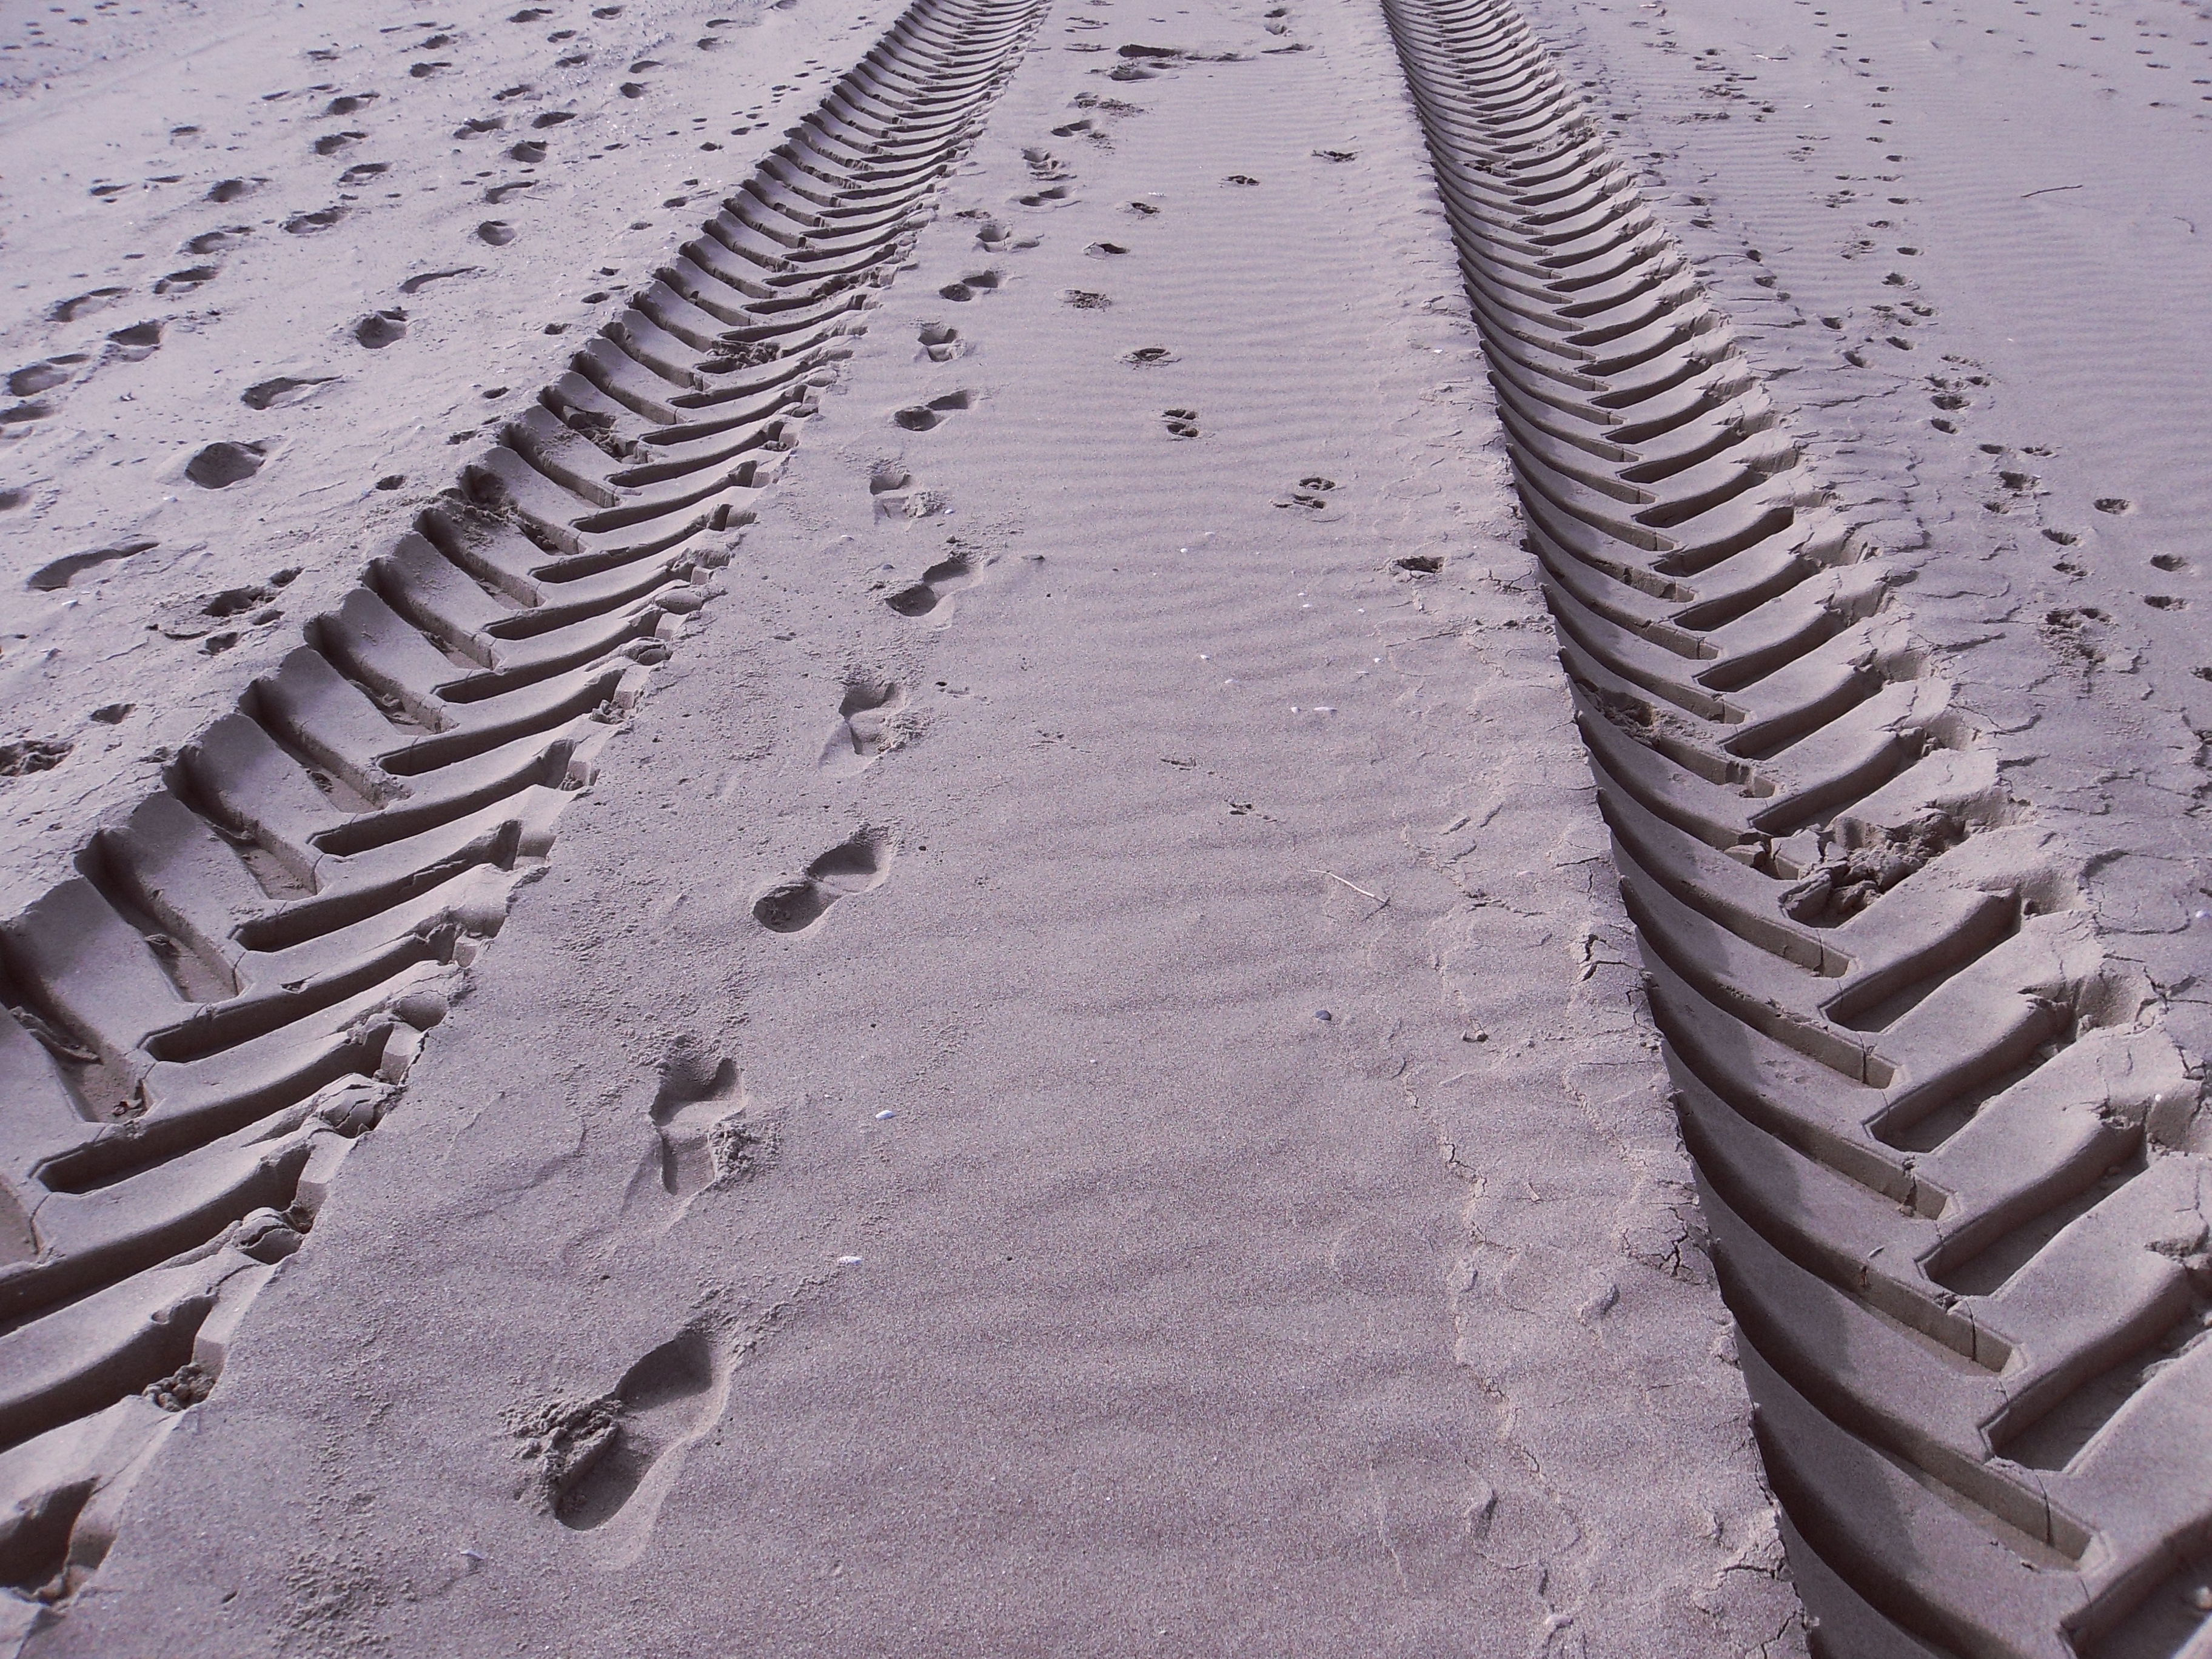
point(990, 975)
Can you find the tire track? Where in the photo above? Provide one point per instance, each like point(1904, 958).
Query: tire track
point(196, 1030)
point(1946, 1149)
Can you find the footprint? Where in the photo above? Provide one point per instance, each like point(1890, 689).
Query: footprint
point(230, 190)
point(1147, 357)
point(283, 392)
point(416, 284)
point(851, 867)
point(220, 466)
point(60, 572)
point(890, 487)
point(1084, 299)
point(1144, 209)
point(940, 342)
point(664, 1402)
point(2113, 504)
point(495, 232)
point(184, 282)
point(1104, 250)
point(945, 577)
point(864, 729)
point(1182, 422)
point(216, 241)
point(923, 416)
point(699, 1118)
point(138, 342)
point(69, 311)
point(308, 224)
point(330, 143)
point(968, 286)
point(381, 328)
point(39, 377)
point(1310, 494)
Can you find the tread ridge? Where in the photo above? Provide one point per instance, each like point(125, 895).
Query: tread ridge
point(1942, 1141)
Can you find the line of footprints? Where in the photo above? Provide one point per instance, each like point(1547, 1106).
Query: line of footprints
point(865, 725)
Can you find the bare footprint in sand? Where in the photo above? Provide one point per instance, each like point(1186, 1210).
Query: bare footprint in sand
point(921, 417)
point(939, 581)
point(221, 464)
point(852, 867)
point(940, 342)
point(969, 288)
point(283, 392)
point(706, 1135)
point(663, 1403)
point(863, 731)
point(381, 328)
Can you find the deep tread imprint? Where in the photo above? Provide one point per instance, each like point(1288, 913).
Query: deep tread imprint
point(1934, 1135)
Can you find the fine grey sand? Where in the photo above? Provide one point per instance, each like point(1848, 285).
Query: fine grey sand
point(1268, 830)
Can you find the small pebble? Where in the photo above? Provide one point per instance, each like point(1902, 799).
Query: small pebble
point(849, 1262)
point(883, 1117)
point(1323, 1013)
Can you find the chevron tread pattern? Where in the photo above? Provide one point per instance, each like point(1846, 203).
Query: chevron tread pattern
point(1936, 1130)
point(196, 1028)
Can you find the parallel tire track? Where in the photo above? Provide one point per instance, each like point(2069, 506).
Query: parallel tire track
point(1940, 1137)
point(195, 1029)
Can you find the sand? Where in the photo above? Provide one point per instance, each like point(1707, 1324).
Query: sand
point(1033, 1043)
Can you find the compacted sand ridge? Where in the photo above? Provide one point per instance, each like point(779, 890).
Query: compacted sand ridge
point(1265, 830)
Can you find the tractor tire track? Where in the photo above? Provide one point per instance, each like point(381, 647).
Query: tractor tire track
point(1944, 1145)
point(195, 1029)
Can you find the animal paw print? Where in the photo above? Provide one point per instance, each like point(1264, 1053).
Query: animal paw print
point(1182, 422)
point(1311, 494)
